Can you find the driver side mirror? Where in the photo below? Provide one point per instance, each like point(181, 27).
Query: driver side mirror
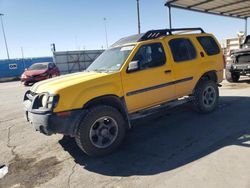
point(133, 66)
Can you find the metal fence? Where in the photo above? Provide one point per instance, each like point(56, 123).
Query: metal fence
point(75, 61)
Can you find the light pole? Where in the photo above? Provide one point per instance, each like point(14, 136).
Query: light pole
point(4, 36)
point(106, 33)
point(138, 17)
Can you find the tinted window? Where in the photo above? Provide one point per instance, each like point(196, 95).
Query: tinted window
point(151, 55)
point(182, 49)
point(209, 45)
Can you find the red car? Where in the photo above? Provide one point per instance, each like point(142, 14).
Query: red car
point(38, 72)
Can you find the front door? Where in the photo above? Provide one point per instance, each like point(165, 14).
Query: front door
point(152, 83)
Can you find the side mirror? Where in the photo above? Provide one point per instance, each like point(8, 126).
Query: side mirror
point(133, 66)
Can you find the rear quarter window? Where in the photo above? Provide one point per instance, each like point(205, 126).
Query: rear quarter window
point(182, 49)
point(209, 45)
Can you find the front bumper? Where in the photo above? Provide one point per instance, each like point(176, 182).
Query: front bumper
point(240, 68)
point(48, 122)
point(32, 79)
point(52, 123)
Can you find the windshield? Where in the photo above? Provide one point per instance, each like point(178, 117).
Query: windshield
point(111, 60)
point(38, 66)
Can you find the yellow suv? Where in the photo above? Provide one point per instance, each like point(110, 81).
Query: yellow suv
point(134, 77)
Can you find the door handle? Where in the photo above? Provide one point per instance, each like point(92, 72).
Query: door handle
point(167, 71)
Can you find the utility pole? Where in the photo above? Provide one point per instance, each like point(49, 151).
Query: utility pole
point(24, 65)
point(4, 36)
point(167, 4)
point(245, 26)
point(138, 17)
point(22, 52)
point(106, 33)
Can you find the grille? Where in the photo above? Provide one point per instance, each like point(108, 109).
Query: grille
point(243, 59)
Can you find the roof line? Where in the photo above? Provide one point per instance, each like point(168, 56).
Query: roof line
point(229, 4)
point(201, 3)
point(236, 9)
point(206, 12)
point(241, 13)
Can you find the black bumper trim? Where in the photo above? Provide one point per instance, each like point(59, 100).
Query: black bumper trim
point(51, 123)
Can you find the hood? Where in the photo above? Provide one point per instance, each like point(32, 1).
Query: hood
point(34, 72)
point(55, 84)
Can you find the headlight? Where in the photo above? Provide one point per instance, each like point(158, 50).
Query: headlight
point(49, 101)
point(44, 100)
point(44, 74)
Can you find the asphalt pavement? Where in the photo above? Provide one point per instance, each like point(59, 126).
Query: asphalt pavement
point(174, 148)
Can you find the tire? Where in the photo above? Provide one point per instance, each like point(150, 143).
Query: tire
point(101, 123)
point(232, 77)
point(26, 83)
point(206, 96)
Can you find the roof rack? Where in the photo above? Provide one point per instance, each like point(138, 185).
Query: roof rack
point(153, 34)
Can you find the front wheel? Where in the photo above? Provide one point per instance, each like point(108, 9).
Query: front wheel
point(101, 131)
point(232, 76)
point(206, 96)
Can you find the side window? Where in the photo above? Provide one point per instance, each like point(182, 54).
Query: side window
point(182, 49)
point(209, 45)
point(150, 55)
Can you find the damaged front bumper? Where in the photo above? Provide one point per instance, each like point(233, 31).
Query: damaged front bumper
point(48, 122)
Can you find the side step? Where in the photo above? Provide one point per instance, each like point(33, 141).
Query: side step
point(158, 108)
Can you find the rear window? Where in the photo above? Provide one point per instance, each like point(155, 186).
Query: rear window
point(209, 45)
point(182, 49)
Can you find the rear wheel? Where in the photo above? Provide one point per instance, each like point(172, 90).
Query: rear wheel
point(232, 76)
point(206, 96)
point(101, 131)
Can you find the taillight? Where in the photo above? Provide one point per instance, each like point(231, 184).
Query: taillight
point(224, 61)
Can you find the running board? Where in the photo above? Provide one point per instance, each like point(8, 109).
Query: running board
point(158, 108)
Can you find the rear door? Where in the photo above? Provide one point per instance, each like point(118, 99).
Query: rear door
point(185, 64)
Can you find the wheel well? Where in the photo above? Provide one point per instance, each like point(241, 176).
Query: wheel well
point(110, 100)
point(211, 75)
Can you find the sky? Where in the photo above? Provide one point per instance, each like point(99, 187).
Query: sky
point(79, 24)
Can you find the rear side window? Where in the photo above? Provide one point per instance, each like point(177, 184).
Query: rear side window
point(209, 45)
point(182, 49)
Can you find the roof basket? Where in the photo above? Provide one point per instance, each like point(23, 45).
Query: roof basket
point(153, 34)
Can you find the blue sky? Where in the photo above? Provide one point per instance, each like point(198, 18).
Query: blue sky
point(78, 24)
